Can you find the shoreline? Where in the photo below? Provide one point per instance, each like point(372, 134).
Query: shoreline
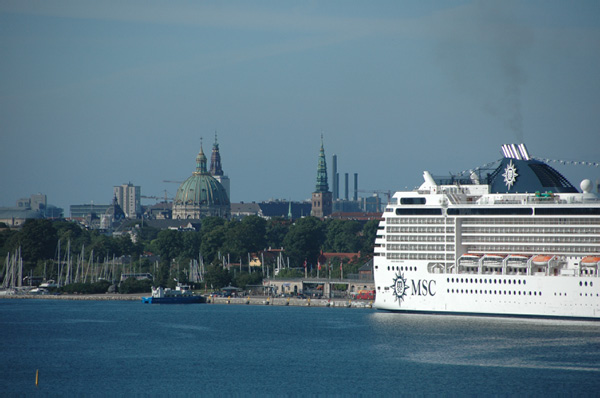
point(250, 300)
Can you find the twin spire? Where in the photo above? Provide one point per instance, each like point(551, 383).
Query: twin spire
point(215, 160)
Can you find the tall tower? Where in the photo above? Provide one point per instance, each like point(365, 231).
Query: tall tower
point(321, 198)
point(216, 170)
point(129, 199)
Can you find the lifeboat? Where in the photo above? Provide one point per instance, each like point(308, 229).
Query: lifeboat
point(541, 260)
point(517, 260)
point(590, 260)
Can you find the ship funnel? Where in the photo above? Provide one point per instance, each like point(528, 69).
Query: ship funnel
point(524, 153)
point(516, 152)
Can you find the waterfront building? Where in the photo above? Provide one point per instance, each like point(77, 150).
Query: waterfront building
point(322, 197)
point(201, 195)
point(129, 198)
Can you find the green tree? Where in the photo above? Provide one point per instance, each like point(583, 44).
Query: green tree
point(37, 240)
point(276, 230)
point(304, 240)
point(217, 277)
point(169, 244)
point(243, 279)
point(369, 233)
point(255, 229)
point(210, 223)
point(191, 243)
point(343, 236)
point(212, 241)
point(132, 285)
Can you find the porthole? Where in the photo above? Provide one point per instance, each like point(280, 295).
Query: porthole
point(471, 280)
point(519, 281)
point(580, 283)
point(591, 284)
point(448, 280)
point(452, 280)
point(388, 267)
point(461, 280)
point(585, 283)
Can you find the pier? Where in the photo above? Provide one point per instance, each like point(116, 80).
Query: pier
point(211, 300)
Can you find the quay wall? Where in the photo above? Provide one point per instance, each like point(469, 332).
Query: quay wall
point(251, 300)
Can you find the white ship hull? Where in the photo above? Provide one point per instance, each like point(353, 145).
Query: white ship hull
point(509, 295)
point(517, 240)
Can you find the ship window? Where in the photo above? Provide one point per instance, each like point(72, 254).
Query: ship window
point(580, 283)
point(591, 284)
point(472, 280)
point(585, 283)
point(524, 282)
point(412, 201)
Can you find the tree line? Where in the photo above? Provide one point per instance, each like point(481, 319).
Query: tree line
point(301, 240)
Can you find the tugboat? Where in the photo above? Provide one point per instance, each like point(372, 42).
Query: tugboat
point(181, 295)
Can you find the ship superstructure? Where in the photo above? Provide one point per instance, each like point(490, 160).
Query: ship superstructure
point(517, 239)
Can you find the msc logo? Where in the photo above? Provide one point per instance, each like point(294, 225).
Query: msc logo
point(420, 287)
point(423, 287)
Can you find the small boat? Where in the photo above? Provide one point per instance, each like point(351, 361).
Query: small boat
point(541, 259)
point(590, 260)
point(180, 295)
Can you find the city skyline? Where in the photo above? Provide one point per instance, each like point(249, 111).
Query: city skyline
point(95, 95)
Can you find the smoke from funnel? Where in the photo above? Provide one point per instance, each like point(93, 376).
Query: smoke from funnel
point(482, 49)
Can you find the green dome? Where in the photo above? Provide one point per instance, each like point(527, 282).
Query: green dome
point(201, 195)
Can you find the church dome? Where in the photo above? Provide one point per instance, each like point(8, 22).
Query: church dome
point(201, 195)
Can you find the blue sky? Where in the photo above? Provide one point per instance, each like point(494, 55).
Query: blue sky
point(96, 94)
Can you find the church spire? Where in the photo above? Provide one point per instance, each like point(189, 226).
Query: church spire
point(322, 185)
point(215, 159)
point(201, 160)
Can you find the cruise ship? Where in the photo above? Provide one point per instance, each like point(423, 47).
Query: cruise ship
point(515, 239)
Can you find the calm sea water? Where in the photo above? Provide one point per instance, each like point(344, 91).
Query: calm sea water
point(88, 348)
